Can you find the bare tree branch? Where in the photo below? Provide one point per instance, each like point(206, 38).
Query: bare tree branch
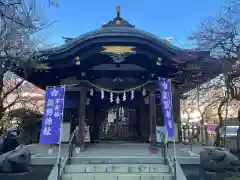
point(19, 24)
point(221, 36)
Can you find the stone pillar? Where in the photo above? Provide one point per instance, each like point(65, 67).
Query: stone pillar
point(82, 116)
point(152, 118)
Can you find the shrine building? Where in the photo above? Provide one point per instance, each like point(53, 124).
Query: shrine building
point(110, 79)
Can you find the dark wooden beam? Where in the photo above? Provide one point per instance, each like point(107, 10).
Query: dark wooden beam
point(82, 116)
point(152, 115)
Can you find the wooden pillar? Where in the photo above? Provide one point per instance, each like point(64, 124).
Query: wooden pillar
point(90, 117)
point(116, 129)
point(138, 124)
point(97, 124)
point(152, 118)
point(144, 120)
point(82, 116)
point(176, 110)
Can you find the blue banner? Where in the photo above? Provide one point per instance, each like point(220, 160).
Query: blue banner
point(164, 86)
point(52, 117)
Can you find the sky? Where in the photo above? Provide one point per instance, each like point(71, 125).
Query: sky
point(163, 18)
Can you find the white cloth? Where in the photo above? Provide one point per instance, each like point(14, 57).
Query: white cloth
point(161, 130)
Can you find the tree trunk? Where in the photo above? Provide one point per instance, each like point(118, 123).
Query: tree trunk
point(201, 130)
point(238, 132)
point(220, 125)
point(1, 103)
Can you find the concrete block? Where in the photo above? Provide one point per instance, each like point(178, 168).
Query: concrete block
point(101, 168)
point(75, 168)
point(159, 168)
point(139, 168)
point(129, 177)
point(105, 177)
point(67, 178)
point(169, 177)
point(117, 168)
point(100, 161)
point(78, 176)
point(90, 168)
point(156, 177)
point(147, 178)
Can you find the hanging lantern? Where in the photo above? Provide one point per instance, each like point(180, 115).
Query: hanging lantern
point(102, 94)
point(124, 96)
point(111, 97)
point(117, 100)
point(91, 92)
point(144, 92)
point(132, 94)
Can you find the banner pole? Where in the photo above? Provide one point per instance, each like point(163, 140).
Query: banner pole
point(60, 135)
point(174, 137)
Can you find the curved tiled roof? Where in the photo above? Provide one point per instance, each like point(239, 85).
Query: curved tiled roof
point(113, 29)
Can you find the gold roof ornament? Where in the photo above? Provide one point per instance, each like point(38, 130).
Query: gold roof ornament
point(43, 66)
point(159, 61)
point(118, 53)
point(119, 49)
point(118, 20)
point(78, 60)
point(118, 9)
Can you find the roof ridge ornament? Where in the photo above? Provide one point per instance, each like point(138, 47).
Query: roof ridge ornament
point(118, 21)
point(118, 10)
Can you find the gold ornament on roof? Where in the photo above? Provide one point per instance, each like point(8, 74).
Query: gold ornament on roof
point(42, 66)
point(118, 53)
point(78, 62)
point(118, 11)
point(119, 49)
point(159, 61)
point(118, 22)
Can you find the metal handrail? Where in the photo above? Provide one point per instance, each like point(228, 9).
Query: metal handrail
point(164, 147)
point(172, 162)
point(165, 150)
point(67, 155)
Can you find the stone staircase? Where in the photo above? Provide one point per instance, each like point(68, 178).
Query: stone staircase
point(117, 168)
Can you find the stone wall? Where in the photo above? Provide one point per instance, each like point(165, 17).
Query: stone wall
point(40, 172)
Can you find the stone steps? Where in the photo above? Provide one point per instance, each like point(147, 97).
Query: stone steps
point(117, 168)
point(118, 160)
point(117, 176)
